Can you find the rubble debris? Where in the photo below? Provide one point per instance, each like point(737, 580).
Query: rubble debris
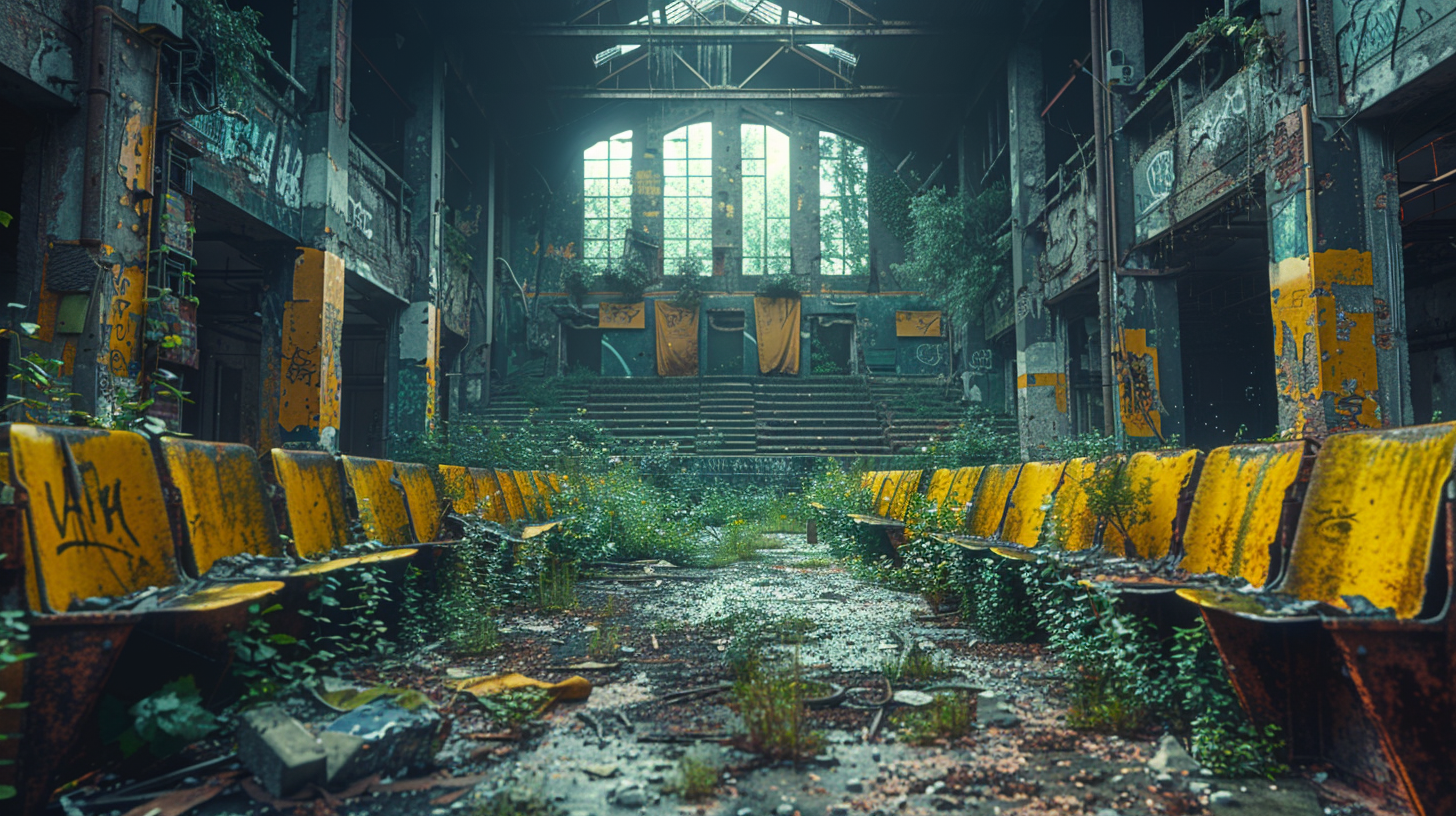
point(392, 740)
point(279, 751)
point(1171, 757)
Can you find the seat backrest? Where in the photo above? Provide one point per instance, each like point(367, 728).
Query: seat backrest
point(422, 496)
point(530, 494)
point(460, 486)
point(1030, 501)
point(557, 483)
point(97, 522)
point(939, 486)
point(382, 509)
point(1166, 474)
point(225, 505)
point(1234, 525)
point(515, 503)
point(492, 499)
point(963, 486)
point(881, 488)
point(907, 486)
point(1071, 527)
point(989, 505)
point(543, 494)
point(1368, 523)
point(313, 494)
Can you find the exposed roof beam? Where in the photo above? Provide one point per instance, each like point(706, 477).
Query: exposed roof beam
point(634, 34)
point(875, 92)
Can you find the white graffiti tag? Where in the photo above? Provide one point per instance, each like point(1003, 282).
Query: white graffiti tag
point(1161, 175)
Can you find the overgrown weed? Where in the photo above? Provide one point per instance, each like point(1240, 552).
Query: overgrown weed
point(771, 703)
point(950, 716)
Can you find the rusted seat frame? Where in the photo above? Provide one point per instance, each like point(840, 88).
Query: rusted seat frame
point(1393, 680)
point(76, 653)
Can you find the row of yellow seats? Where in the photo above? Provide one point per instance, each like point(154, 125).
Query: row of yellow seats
point(96, 514)
point(1366, 527)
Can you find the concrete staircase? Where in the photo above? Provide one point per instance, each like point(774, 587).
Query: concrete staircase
point(743, 416)
point(642, 412)
point(727, 410)
point(818, 416)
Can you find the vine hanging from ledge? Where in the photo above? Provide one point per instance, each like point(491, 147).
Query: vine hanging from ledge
point(233, 40)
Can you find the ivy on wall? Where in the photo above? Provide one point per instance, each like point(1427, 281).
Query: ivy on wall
point(233, 39)
point(955, 253)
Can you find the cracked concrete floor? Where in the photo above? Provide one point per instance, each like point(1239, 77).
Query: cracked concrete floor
point(619, 751)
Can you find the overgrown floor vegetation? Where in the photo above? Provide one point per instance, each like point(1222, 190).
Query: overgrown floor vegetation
point(733, 664)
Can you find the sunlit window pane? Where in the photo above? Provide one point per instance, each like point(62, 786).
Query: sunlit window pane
point(765, 199)
point(606, 200)
point(687, 190)
point(843, 206)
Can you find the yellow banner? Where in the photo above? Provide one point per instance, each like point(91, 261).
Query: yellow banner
point(677, 341)
point(778, 334)
point(917, 324)
point(622, 316)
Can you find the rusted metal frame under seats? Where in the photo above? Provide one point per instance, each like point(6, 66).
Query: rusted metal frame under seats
point(1405, 675)
point(1290, 675)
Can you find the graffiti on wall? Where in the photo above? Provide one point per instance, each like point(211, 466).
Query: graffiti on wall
point(1139, 394)
point(257, 163)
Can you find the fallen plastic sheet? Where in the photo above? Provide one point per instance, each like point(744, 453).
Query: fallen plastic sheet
point(572, 688)
point(341, 696)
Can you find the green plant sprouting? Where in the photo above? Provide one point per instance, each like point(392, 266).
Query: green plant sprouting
point(958, 252)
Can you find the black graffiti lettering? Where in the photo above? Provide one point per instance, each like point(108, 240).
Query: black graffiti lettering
point(114, 512)
point(72, 504)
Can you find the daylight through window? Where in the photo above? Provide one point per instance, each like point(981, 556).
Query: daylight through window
point(765, 201)
point(687, 197)
point(843, 206)
point(607, 200)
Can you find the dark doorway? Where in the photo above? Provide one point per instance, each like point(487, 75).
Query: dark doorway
point(1078, 313)
point(1227, 328)
point(583, 349)
point(831, 345)
point(725, 342)
point(365, 352)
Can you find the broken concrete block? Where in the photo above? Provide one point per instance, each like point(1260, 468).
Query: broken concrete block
point(340, 750)
point(280, 751)
point(392, 741)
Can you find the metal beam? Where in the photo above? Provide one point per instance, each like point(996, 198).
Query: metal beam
point(633, 35)
point(771, 58)
point(744, 93)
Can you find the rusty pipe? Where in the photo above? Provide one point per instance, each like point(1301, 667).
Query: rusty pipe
point(1104, 268)
point(98, 101)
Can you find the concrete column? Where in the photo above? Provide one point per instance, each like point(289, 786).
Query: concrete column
point(1334, 318)
point(728, 190)
point(308, 308)
point(647, 181)
point(414, 364)
point(1041, 376)
point(1147, 353)
point(804, 225)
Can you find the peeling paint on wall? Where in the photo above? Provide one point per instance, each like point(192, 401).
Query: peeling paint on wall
point(312, 330)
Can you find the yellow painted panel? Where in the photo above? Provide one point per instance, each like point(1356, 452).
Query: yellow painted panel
point(312, 325)
point(382, 510)
point(515, 503)
point(386, 556)
point(423, 498)
point(1030, 501)
point(889, 488)
point(877, 481)
point(325, 567)
point(543, 494)
point(491, 499)
point(989, 506)
point(460, 488)
point(530, 497)
point(900, 503)
point(622, 316)
point(225, 504)
point(939, 487)
point(1073, 527)
point(1234, 521)
point(917, 324)
point(1139, 385)
point(98, 524)
point(1369, 517)
point(314, 494)
point(963, 489)
point(557, 483)
point(222, 597)
point(1167, 472)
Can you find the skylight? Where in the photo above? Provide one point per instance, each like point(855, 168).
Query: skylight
point(709, 12)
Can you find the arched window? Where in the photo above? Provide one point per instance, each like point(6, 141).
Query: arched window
point(765, 201)
point(607, 200)
point(844, 212)
point(687, 197)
